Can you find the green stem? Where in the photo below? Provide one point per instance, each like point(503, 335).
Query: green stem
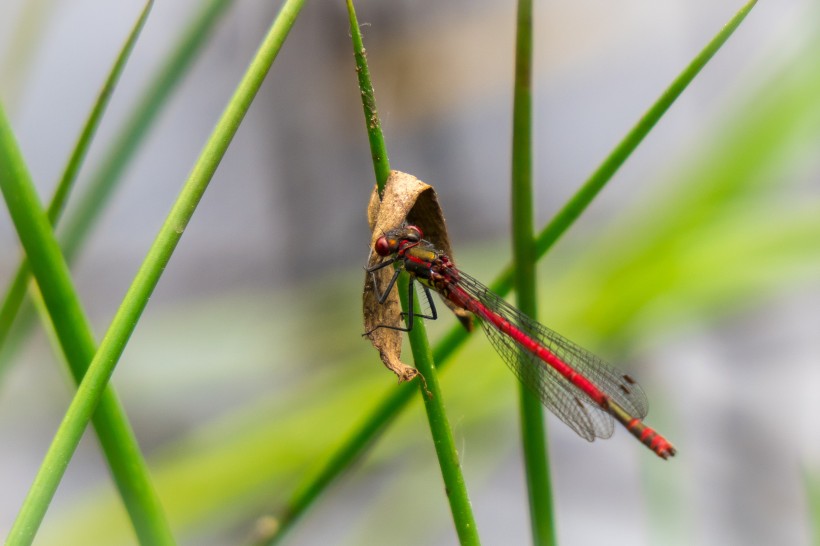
point(454, 484)
point(811, 483)
point(74, 334)
point(17, 289)
point(533, 431)
point(126, 143)
point(397, 399)
point(604, 173)
point(124, 322)
point(433, 400)
point(378, 148)
point(124, 147)
point(71, 325)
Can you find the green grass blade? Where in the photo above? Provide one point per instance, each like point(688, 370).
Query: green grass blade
point(124, 148)
point(533, 426)
point(81, 148)
point(606, 170)
point(126, 144)
point(124, 322)
point(342, 458)
point(596, 182)
point(73, 330)
point(23, 40)
point(443, 441)
point(436, 415)
point(456, 487)
point(812, 484)
point(74, 333)
point(17, 289)
point(395, 401)
point(378, 149)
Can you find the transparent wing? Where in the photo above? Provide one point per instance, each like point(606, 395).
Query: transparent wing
point(572, 405)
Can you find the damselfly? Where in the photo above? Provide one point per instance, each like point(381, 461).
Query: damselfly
point(585, 392)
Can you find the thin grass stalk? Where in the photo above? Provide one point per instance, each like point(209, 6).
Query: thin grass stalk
point(533, 431)
point(76, 340)
point(378, 148)
point(127, 316)
point(81, 220)
point(16, 291)
point(71, 326)
point(396, 400)
point(422, 355)
point(811, 482)
point(430, 390)
point(604, 173)
point(22, 40)
point(344, 457)
point(127, 142)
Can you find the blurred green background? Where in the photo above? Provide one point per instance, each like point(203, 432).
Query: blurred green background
point(696, 270)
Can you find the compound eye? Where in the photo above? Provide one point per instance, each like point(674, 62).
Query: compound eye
point(382, 246)
point(416, 230)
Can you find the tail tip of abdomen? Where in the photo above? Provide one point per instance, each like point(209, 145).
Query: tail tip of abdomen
point(662, 448)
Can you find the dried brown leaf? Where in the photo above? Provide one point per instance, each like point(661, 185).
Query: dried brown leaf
point(405, 199)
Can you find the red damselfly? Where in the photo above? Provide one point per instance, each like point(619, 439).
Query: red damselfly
point(585, 392)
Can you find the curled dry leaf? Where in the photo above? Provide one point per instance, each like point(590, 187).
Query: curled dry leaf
point(405, 199)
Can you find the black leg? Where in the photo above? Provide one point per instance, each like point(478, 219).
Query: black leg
point(433, 314)
point(380, 265)
point(383, 296)
point(410, 314)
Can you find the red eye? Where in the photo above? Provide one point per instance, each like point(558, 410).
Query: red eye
point(382, 246)
point(417, 230)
